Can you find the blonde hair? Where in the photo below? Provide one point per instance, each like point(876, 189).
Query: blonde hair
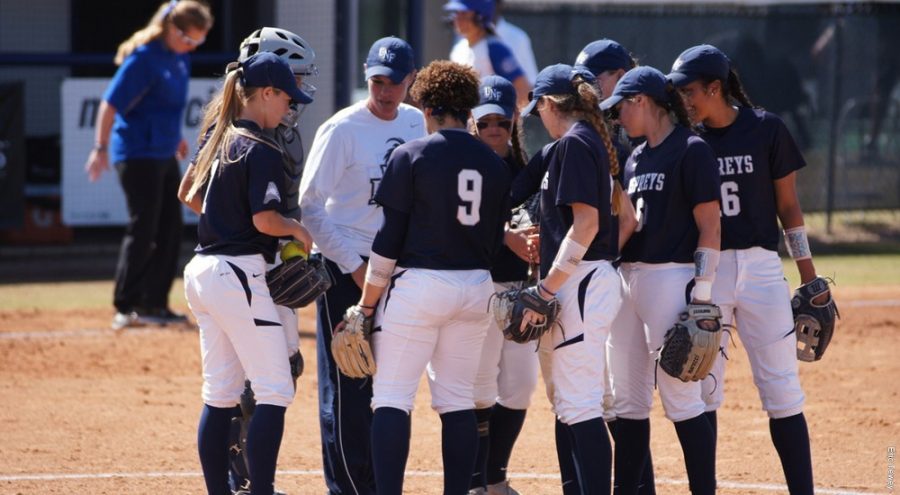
point(585, 105)
point(182, 14)
point(218, 119)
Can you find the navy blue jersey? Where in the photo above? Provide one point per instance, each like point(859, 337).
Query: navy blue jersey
point(665, 183)
point(508, 267)
point(577, 172)
point(455, 191)
point(236, 191)
point(753, 152)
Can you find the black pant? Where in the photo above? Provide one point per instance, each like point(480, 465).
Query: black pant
point(148, 258)
point(345, 404)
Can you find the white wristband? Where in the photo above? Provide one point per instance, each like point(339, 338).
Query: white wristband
point(797, 243)
point(569, 255)
point(380, 269)
point(702, 290)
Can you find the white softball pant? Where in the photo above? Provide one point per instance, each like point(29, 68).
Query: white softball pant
point(508, 371)
point(436, 319)
point(241, 334)
point(654, 295)
point(751, 291)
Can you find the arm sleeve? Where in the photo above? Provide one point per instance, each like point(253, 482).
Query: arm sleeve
point(503, 61)
point(579, 173)
point(785, 156)
point(700, 179)
point(325, 167)
point(130, 83)
point(390, 237)
point(265, 183)
point(396, 188)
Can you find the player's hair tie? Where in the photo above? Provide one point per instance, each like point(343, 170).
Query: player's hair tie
point(233, 66)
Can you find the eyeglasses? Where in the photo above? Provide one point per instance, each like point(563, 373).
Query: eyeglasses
point(188, 40)
point(506, 125)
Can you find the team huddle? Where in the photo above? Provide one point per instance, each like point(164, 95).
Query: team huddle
point(616, 260)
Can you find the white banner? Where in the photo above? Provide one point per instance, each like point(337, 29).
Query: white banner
point(102, 203)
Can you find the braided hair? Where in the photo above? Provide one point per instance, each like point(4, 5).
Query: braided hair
point(731, 88)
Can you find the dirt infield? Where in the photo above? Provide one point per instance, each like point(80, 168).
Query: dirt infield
point(92, 411)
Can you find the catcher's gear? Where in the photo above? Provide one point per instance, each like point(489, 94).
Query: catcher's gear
point(813, 323)
point(298, 282)
point(692, 344)
point(509, 308)
point(350, 344)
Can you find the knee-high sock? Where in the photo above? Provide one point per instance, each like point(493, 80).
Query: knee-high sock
point(459, 441)
point(791, 438)
point(698, 447)
point(390, 448)
point(506, 424)
point(632, 451)
point(212, 445)
point(593, 453)
point(263, 443)
point(568, 470)
point(479, 476)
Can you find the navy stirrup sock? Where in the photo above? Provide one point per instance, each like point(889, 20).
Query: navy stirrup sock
point(593, 454)
point(506, 424)
point(568, 470)
point(459, 442)
point(632, 452)
point(698, 446)
point(483, 418)
point(212, 445)
point(791, 438)
point(263, 443)
point(390, 448)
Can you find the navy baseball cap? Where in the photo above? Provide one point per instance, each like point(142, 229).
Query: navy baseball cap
point(641, 80)
point(391, 57)
point(267, 69)
point(603, 55)
point(484, 8)
point(496, 95)
point(699, 61)
point(556, 80)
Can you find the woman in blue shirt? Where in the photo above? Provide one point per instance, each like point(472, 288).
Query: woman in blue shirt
point(139, 132)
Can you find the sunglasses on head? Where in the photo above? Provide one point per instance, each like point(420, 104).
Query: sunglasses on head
point(503, 124)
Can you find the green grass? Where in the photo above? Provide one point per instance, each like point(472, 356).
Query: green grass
point(70, 295)
point(852, 270)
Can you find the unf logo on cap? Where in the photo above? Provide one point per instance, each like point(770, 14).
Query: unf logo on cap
point(582, 57)
point(492, 94)
point(386, 55)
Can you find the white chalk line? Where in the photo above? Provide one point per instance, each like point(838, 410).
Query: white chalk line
point(771, 487)
point(56, 334)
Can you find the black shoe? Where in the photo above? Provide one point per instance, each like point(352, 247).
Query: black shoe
point(163, 316)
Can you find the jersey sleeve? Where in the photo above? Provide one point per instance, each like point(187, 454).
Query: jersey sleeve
point(132, 81)
point(701, 173)
point(785, 156)
point(528, 180)
point(265, 182)
point(503, 61)
point(579, 173)
point(390, 237)
point(396, 187)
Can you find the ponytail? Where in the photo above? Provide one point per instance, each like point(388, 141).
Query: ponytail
point(585, 104)
point(735, 89)
point(518, 152)
point(182, 14)
point(676, 106)
point(218, 119)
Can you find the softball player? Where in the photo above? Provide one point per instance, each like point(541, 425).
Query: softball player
point(445, 199)
point(481, 48)
point(758, 160)
point(337, 196)
point(241, 336)
point(675, 190)
point(608, 61)
point(508, 371)
point(579, 239)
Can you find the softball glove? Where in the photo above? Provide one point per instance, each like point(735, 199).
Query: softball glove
point(509, 308)
point(350, 344)
point(691, 346)
point(298, 282)
point(813, 323)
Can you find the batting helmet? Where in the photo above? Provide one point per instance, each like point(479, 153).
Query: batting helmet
point(287, 45)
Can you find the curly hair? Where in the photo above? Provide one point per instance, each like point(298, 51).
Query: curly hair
point(446, 88)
